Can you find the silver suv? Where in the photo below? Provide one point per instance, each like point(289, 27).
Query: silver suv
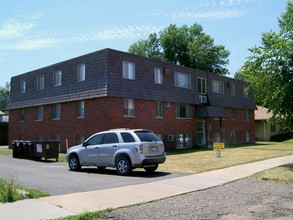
point(123, 149)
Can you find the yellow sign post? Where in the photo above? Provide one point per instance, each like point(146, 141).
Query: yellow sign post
point(218, 147)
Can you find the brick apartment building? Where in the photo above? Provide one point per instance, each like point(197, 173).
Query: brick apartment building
point(106, 89)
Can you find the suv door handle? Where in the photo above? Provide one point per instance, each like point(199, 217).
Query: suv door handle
point(114, 146)
point(96, 148)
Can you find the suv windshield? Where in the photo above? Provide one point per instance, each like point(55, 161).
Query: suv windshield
point(147, 136)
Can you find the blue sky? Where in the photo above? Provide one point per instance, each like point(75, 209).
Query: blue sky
point(38, 33)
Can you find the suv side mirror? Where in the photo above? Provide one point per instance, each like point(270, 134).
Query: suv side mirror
point(84, 144)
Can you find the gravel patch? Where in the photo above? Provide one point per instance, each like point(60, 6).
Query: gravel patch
point(243, 199)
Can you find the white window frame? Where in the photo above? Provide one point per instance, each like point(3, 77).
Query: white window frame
point(160, 109)
point(40, 82)
point(128, 70)
point(158, 75)
point(182, 80)
point(23, 86)
point(233, 89)
point(218, 86)
point(188, 111)
point(57, 78)
point(81, 72)
point(80, 109)
point(247, 136)
point(56, 111)
point(201, 85)
point(129, 107)
point(40, 113)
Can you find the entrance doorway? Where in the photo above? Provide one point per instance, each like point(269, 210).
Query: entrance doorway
point(201, 133)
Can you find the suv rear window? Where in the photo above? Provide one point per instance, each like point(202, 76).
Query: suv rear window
point(147, 136)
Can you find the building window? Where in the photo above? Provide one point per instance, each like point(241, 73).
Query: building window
point(217, 86)
point(39, 138)
point(160, 109)
point(233, 90)
point(245, 92)
point(80, 109)
point(55, 137)
point(247, 137)
point(182, 80)
point(56, 111)
point(201, 85)
point(234, 113)
point(233, 135)
point(129, 107)
point(39, 115)
point(247, 114)
point(57, 77)
point(183, 141)
point(183, 111)
point(81, 72)
point(158, 76)
point(40, 82)
point(21, 115)
point(80, 139)
point(23, 86)
point(128, 71)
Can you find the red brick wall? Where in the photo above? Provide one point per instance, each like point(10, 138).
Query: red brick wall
point(107, 113)
point(228, 124)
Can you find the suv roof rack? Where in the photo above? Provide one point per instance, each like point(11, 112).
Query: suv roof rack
point(119, 129)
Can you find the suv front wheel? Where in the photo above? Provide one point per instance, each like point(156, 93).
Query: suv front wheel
point(123, 166)
point(73, 162)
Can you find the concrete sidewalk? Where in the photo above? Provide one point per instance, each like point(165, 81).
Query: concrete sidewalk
point(71, 204)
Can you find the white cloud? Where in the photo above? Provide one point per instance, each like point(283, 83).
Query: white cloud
point(13, 29)
point(33, 44)
point(25, 35)
point(212, 9)
point(220, 14)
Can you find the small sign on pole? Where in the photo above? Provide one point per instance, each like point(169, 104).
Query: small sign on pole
point(218, 147)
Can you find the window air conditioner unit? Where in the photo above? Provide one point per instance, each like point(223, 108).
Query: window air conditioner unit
point(202, 99)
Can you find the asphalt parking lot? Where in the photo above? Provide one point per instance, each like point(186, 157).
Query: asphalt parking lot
point(56, 179)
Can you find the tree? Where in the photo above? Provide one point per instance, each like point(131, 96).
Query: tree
point(187, 46)
point(269, 70)
point(4, 95)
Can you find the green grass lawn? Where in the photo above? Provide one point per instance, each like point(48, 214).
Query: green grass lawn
point(9, 192)
point(197, 161)
point(282, 174)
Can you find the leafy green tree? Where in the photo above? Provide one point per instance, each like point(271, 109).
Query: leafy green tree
point(4, 95)
point(269, 70)
point(188, 46)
